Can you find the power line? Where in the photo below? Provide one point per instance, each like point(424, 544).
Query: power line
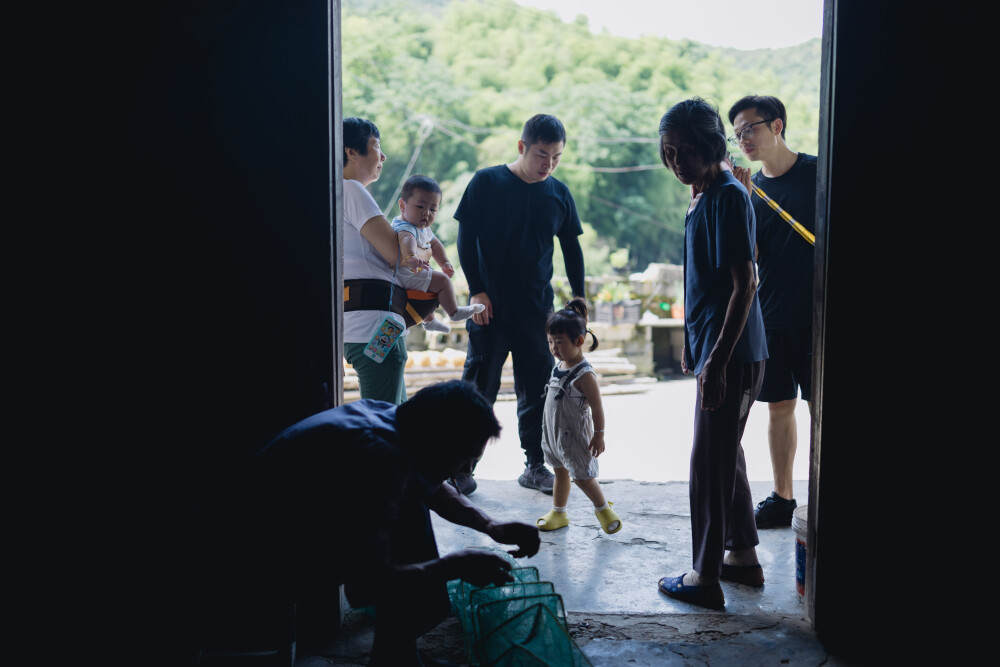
point(426, 127)
point(612, 170)
point(621, 140)
point(451, 133)
point(643, 216)
point(467, 128)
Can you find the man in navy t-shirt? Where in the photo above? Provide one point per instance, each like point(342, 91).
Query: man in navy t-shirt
point(508, 218)
point(785, 263)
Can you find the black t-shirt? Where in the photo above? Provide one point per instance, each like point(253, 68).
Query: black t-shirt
point(317, 474)
point(506, 230)
point(785, 260)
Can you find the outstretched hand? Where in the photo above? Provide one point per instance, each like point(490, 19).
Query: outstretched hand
point(478, 567)
point(524, 535)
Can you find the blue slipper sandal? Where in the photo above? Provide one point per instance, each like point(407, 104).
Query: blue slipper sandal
point(710, 596)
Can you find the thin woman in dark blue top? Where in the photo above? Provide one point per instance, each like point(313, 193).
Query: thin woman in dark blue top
point(724, 348)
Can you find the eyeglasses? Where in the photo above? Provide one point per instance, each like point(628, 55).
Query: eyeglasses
point(746, 133)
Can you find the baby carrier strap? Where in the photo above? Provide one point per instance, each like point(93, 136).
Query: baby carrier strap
point(373, 294)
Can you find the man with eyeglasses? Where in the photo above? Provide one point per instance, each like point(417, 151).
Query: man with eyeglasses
point(785, 268)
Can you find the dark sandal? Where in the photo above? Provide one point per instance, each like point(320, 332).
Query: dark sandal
point(710, 596)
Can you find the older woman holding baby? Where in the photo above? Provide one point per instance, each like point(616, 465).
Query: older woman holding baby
point(375, 273)
point(387, 286)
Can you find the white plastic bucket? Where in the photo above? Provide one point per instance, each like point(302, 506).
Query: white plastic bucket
point(799, 517)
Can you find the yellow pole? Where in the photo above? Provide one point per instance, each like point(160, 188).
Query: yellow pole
point(796, 225)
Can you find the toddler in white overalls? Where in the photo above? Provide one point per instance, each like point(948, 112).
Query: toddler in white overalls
point(573, 421)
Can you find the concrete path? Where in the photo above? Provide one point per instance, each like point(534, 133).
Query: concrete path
point(616, 614)
point(649, 437)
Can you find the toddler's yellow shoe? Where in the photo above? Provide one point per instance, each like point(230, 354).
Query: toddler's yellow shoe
point(610, 521)
point(552, 521)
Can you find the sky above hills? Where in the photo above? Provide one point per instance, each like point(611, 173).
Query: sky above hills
point(733, 23)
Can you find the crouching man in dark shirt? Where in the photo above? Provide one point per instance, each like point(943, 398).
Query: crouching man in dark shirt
point(347, 493)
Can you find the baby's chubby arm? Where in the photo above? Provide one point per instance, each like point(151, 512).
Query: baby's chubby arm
point(408, 248)
point(441, 257)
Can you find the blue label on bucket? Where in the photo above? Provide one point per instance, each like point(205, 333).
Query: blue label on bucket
point(800, 567)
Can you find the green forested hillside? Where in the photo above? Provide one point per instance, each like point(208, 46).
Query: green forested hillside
point(450, 85)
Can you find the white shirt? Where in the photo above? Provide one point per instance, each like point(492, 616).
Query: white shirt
point(362, 260)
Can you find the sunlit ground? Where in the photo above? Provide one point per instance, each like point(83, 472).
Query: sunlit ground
point(649, 437)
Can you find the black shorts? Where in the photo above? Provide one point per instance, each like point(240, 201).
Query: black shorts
point(789, 365)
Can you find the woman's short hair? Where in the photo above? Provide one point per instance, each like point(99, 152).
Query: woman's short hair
point(357, 133)
point(700, 121)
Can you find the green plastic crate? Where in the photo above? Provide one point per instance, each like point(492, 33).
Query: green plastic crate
point(459, 591)
point(508, 592)
point(534, 636)
point(464, 605)
point(518, 656)
point(493, 614)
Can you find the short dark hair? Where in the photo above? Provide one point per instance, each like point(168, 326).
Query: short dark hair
point(700, 121)
point(571, 321)
point(357, 133)
point(767, 106)
point(419, 182)
point(470, 416)
point(543, 129)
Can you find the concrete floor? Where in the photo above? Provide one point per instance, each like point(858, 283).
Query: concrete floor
point(616, 614)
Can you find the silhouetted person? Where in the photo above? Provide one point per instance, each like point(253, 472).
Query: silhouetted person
point(344, 498)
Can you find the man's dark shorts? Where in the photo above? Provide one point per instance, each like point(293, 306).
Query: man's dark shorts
point(789, 365)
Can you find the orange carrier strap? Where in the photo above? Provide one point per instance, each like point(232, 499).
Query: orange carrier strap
point(371, 294)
